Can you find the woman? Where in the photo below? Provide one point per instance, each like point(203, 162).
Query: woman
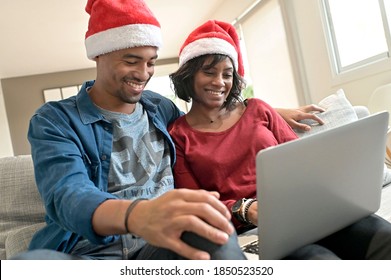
point(218, 139)
point(221, 120)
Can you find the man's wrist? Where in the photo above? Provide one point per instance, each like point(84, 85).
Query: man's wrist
point(129, 210)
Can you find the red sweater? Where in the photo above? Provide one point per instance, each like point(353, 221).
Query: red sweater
point(225, 161)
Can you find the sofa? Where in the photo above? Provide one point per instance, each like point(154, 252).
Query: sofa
point(22, 212)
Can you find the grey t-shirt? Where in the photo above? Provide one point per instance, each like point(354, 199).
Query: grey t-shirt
point(140, 160)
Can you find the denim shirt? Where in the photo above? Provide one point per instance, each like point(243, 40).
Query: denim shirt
point(71, 147)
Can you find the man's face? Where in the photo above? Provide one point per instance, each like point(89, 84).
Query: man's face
point(122, 75)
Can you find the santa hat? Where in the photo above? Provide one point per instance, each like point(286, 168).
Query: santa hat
point(213, 37)
point(116, 25)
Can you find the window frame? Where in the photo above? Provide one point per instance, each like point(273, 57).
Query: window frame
point(365, 65)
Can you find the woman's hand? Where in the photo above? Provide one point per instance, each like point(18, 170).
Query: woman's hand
point(293, 116)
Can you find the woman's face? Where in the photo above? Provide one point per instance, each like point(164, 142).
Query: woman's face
point(213, 84)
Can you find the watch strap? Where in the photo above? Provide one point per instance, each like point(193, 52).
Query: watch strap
point(237, 209)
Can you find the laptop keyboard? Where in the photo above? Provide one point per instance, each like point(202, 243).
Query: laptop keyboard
point(251, 248)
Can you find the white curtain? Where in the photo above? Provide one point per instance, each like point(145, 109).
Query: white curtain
point(267, 54)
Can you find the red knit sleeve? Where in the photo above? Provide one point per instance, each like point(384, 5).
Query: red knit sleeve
point(276, 124)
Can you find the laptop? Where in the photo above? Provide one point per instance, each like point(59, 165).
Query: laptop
point(312, 187)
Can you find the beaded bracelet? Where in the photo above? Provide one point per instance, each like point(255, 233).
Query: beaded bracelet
point(247, 207)
point(129, 210)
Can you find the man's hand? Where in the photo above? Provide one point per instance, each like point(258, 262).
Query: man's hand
point(162, 221)
point(293, 116)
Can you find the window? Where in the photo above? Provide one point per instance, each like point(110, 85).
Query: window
point(160, 83)
point(56, 94)
point(358, 32)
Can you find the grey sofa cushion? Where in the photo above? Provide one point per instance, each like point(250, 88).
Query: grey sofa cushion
point(20, 203)
point(18, 240)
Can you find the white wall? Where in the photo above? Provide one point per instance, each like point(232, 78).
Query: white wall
point(317, 68)
point(5, 143)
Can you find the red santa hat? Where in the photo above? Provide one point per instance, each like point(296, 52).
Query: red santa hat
point(116, 25)
point(213, 37)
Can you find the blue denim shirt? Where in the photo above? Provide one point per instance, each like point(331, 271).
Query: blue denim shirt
point(71, 148)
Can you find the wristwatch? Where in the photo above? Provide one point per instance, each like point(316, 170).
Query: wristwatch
point(238, 210)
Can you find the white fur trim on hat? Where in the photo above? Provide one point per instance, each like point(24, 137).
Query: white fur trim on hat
point(208, 46)
point(123, 37)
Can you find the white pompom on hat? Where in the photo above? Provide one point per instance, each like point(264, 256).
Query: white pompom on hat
point(120, 24)
point(213, 37)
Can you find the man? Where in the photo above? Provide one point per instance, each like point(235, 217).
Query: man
point(103, 159)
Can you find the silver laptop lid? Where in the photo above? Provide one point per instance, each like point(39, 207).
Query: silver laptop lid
point(314, 186)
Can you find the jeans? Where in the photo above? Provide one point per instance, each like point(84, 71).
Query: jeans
point(135, 248)
point(367, 239)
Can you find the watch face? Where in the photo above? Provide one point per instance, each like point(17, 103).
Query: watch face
point(236, 206)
